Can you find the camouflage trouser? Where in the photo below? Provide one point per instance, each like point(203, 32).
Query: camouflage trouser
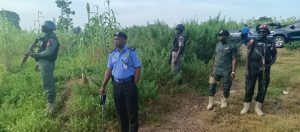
point(218, 75)
point(176, 67)
point(47, 69)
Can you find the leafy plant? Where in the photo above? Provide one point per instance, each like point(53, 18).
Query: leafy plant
point(293, 45)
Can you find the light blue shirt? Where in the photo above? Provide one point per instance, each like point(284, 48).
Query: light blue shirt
point(123, 63)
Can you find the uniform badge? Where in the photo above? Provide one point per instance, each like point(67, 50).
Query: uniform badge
point(49, 43)
point(125, 62)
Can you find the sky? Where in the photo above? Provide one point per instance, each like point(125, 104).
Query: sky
point(141, 12)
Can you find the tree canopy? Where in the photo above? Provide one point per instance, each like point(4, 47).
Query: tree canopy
point(12, 17)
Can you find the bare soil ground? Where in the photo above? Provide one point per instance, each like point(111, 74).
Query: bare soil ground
point(187, 112)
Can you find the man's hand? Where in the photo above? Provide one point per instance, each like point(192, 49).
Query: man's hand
point(175, 62)
point(102, 90)
point(137, 76)
point(107, 76)
point(176, 58)
point(232, 76)
point(33, 55)
point(136, 82)
point(251, 42)
point(36, 68)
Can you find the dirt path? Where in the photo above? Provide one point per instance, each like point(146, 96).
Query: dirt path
point(184, 115)
point(66, 95)
point(187, 112)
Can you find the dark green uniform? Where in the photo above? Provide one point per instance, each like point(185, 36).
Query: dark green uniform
point(224, 54)
point(263, 48)
point(46, 59)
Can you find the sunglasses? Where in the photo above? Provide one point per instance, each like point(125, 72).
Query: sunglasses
point(262, 31)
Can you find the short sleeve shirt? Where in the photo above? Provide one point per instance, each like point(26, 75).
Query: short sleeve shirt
point(123, 63)
point(224, 54)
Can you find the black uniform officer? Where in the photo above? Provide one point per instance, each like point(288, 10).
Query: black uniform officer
point(261, 54)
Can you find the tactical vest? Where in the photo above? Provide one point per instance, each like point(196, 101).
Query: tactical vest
point(52, 57)
point(268, 53)
point(176, 44)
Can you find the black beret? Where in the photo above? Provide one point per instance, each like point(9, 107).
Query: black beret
point(120, 35)
point(223, 33)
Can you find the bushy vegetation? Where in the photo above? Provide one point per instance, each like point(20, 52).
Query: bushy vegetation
point(81, 65)
point(293, 45)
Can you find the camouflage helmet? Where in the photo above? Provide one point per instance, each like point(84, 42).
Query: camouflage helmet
point(180, 27)
point(49, 25)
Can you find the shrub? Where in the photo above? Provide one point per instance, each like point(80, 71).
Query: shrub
point(293, 45)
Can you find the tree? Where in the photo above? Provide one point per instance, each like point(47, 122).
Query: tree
point(76, 30)
point(12, 17)
point(264, 19)
point(65, 22)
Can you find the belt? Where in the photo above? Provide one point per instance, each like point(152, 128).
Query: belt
point(124, 80)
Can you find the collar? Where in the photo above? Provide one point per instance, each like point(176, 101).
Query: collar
point(123, 50)
point(178, 34)
point(224, 43)
point(49, 34)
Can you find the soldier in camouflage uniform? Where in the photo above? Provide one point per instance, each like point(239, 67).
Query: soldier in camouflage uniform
point(224, 67)
point(177, 49)
point(46, 58)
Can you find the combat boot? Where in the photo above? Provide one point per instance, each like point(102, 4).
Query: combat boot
point(210, 102)
point(224, 102)
point(258, 109)
point(50, 108)
point(246, 108)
